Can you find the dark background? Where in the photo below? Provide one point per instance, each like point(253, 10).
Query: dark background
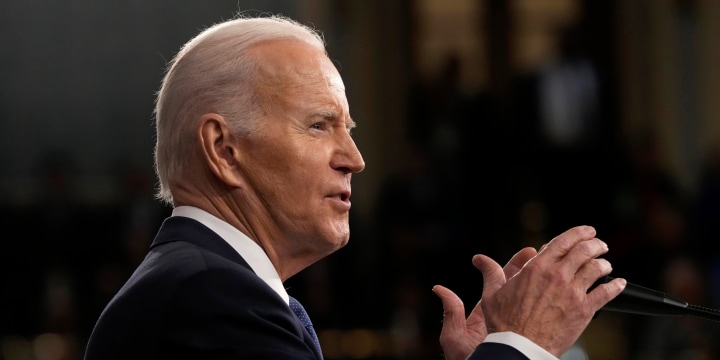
point(480, 137)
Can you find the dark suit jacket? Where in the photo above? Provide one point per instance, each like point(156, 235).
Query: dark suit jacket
point(195, 297)
point(496, 351)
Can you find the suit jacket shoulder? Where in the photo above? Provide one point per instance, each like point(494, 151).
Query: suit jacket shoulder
point(195, 297)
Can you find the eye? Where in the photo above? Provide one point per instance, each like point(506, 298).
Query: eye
point(318, 126)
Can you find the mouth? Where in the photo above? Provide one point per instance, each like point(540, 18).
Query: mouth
point(342, 196)
point(345, 196)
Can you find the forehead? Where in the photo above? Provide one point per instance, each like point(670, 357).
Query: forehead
point(284, 61)
point(291, 68)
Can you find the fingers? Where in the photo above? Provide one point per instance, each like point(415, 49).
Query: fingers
point(563, 243)
point(489, 267)
point(518, 261)
point(575, 252)
point(592, 270)
point(603, 293)
point(582, 258)
point(453, 310)
point(544, 295)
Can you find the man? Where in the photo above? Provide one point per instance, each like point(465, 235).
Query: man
point(254, 153)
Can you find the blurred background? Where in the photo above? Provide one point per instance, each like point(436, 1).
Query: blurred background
point(486, 125)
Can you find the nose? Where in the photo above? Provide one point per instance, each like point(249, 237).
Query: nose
point(348, 159)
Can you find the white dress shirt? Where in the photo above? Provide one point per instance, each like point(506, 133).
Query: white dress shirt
point(523, 344)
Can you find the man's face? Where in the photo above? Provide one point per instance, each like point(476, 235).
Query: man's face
point(298, 166)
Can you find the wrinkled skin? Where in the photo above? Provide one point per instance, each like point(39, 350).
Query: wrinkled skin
point(288, 185)
point(542, 295)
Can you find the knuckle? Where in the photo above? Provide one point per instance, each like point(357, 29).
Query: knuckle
point(603, 265)
point(591, 248)
point(586, 231)
point(560, 278)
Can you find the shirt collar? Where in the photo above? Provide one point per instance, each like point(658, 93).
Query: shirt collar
point(246, 247)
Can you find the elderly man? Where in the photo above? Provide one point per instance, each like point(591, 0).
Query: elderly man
point(255, 155)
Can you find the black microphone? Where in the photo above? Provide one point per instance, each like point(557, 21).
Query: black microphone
point(636, 299)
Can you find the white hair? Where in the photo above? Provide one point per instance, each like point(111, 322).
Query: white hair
point(214, 72)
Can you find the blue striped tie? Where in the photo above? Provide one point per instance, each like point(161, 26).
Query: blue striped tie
point(300, 312)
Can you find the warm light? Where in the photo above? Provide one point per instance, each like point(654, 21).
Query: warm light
point(15, 347)
point(50, 347)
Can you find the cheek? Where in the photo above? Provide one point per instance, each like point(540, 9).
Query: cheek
point(306, 168)
point(295, 187)
point(272, 168)
point(289, 176)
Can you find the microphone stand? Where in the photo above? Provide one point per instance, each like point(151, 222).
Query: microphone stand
point(636, 299)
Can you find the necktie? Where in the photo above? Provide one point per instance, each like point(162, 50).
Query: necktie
point(300, 312)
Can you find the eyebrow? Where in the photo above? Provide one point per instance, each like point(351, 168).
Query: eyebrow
point(331, 115)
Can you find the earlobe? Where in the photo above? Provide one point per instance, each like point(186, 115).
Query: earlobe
point(218, 148)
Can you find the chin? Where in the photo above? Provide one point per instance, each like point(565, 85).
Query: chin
point(339, 243)
point(340, 233)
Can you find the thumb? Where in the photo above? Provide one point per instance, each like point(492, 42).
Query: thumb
point(493, 274)
point(454, 338)
point(453, 309)
point(518, 260)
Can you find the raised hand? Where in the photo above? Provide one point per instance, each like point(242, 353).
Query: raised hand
point(548, 300)
point(460, 336)
point(542, 296)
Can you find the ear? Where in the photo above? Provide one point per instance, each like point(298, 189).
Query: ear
point(219, 149)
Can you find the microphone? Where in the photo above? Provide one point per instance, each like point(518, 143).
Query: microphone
point(635, 299)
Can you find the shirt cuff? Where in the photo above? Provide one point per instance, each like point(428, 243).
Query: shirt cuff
point(524, 345)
